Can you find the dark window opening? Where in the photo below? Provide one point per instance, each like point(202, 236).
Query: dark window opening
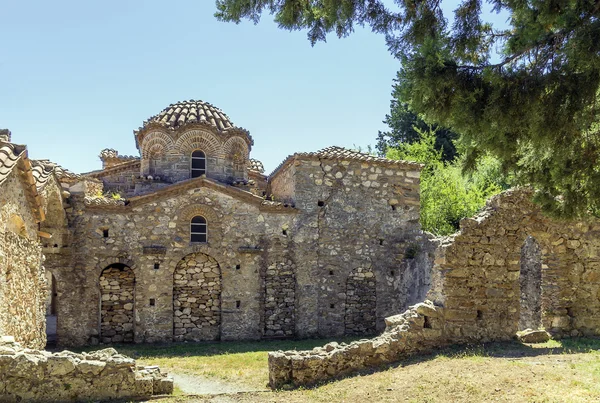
point(394, 207)
point(331, 272)
point(332, 306)
point(152, 302)
point(426, 322)
point(284, 232)
point(320, 203)
point(237, 266)
point(381, 242)
point(479, 315)
point(238, 304)
point(156, 266)
point(392, 273)
point(105, 233)
point(56, 245)
point(198, 164)
point(198, 229)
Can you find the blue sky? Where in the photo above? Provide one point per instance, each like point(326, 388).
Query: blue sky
point(80, 76)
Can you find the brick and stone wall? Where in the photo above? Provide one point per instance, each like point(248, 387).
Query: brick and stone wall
point(117, 288)
point(197, 299)
point(104, 375)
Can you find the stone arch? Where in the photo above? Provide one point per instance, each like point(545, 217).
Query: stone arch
point(361, 302)
point(155, 144)
point(117, 304)
point(197, 298)
point(199, 140)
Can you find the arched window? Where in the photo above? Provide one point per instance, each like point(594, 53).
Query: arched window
point(198, 163)
point(198, 229)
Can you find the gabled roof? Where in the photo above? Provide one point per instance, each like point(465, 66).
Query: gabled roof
point(341, 153)
point(14, 156)
point(9, 157)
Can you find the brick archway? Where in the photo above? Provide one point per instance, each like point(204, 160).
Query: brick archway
point(197, 299)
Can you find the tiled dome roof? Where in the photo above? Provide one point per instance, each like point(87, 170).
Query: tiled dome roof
point(192, 111)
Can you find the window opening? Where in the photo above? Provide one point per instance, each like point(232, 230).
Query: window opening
point(198, 229)
point(105, 233)
point(198, 164)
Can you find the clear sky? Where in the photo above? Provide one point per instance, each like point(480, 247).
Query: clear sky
point(80, 76)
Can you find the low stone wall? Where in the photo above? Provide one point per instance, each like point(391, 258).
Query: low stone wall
point(41, 376)
point(419, 329)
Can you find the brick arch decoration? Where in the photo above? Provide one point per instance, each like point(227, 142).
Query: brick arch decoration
point(236, 149)
point(185, 216)
point(156, 143)
point(361, 302)
point(199, 140)
point(117, 304)
point(197, 298)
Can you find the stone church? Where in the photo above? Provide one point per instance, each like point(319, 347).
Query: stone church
point(192, 241)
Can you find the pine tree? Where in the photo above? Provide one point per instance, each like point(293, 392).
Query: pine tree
point(536, 109)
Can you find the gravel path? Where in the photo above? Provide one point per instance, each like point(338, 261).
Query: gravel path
point(199, 385)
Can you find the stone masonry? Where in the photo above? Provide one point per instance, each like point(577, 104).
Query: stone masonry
point(197, 299)
point(361, 302)
point(280, 300)
point(41, 376)
point(117, 285)
point(477, 278)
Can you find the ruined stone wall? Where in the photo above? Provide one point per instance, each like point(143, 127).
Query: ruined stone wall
point(22, 276)
point(41, 376)
point(356, 215)
point(477, 280)
point(152, 238)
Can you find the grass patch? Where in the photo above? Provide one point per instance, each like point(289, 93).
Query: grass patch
point(556, 371)
point(236, 362)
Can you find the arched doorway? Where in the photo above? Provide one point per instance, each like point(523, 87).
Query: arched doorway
point(197, 299)
point(361, 302)
point(51, 310)
point(117, 304)
point(530, 280)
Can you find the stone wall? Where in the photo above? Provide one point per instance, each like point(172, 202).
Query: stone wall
point(117, 288)
point(280, 300)
point(41, 376)
point(197, 299)
point(477, 279)
point(22, 276)
point(361, 302)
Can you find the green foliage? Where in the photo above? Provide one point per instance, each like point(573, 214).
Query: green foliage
point(406, 127)
point(447, 195)
point(536, 110)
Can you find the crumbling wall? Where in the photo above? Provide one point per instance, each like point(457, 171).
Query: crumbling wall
point(41, 376)
point(476, 292)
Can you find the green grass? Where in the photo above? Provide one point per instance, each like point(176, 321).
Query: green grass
point(238, 362)
point(556, 371)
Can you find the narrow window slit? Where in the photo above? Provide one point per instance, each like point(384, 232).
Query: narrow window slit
point(152, 302)
point(320, 203)
point(105, 233)
point(238, 304)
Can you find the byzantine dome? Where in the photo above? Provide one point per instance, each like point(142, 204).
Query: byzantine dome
point(192, 111)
